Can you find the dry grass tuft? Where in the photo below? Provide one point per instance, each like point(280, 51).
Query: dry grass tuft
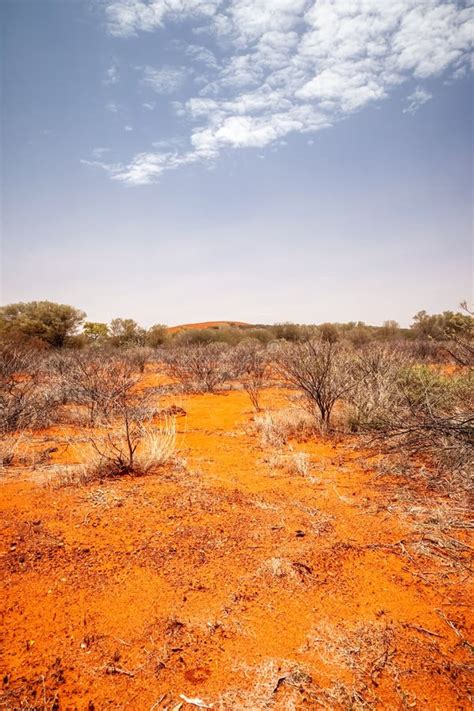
point(267, 682)
point(100, 458)
point(276, 428)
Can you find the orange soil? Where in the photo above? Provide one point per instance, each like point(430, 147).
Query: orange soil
point(233, 580)
point(206, 324)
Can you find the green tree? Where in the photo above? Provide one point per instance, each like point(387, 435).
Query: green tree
point(43, 320)
point(156, 335)
point(126, 332)
point(95, 332)
point(440, 327)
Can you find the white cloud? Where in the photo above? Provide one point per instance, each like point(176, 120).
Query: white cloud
point(283, 66)
point(128, 128)
point(112, 107)
point(111, 76)
point(98, 152)
point(165, 80)
point(202, 55)
point(419, 97)
point(127, 17)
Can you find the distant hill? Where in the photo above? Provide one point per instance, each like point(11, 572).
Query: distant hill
point(208, 324)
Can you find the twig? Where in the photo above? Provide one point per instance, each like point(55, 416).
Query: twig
point(441, 614)
point(423, 629)
point(112, 669)
point(158, 701)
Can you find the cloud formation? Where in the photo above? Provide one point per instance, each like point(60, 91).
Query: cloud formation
point(111, 76)
point(290, 65)
point(418, 98)
point(165, 80)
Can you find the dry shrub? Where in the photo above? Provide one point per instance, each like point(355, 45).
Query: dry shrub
point(376, 369)
point(139, 356)
point(432, 414)
point(108, 455)
point(201, 367)
point(26, 399)
point(366, 650)
point(102, 382)
point(250, 367)
point(10, 444)
point(321, 371)
point(415, 409)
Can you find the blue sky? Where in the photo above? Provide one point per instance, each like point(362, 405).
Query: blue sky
point(261, 160)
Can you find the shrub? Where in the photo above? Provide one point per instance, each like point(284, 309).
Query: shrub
point(139, 356)
point(250, 366)
point(126, 332)
point(95, 332)
point(25, 401)
point(376, 368)
point(156, 336)
point(428, 413)
point(101, 382)
point(133, 446)
point(41, 320)
point(200, 367)
point(321, 371)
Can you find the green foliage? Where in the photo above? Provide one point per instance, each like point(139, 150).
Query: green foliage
point(126, 332)
point(445, 326)
point(95, 332)
point(45, 321)
point(156, 335)
point(196, 336)
point(289, 331)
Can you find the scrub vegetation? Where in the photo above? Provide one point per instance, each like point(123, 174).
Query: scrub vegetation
point(235, 516)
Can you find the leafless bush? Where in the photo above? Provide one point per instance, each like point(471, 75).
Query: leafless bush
point(139, 356)
point(26, 401)
point(425, 350)
point(132, 446)
point(375, 370)
point(201, 367)
point(102, 382)
point(322, 372)
point(250, 366)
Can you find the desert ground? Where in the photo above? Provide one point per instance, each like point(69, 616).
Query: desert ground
point(264, 566)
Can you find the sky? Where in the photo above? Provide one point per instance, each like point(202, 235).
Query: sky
point(175, 161)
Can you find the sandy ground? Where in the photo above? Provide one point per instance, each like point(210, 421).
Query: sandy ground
point(239, 578)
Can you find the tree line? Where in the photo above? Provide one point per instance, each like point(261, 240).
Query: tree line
point(45, 324)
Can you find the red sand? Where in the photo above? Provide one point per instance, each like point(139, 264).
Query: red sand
point(233, 580)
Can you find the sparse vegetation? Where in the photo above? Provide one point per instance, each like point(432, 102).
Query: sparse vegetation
point(321, 371)
point(250, 366)
point(349, 481)
point(201, 367)
point(134, 446)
